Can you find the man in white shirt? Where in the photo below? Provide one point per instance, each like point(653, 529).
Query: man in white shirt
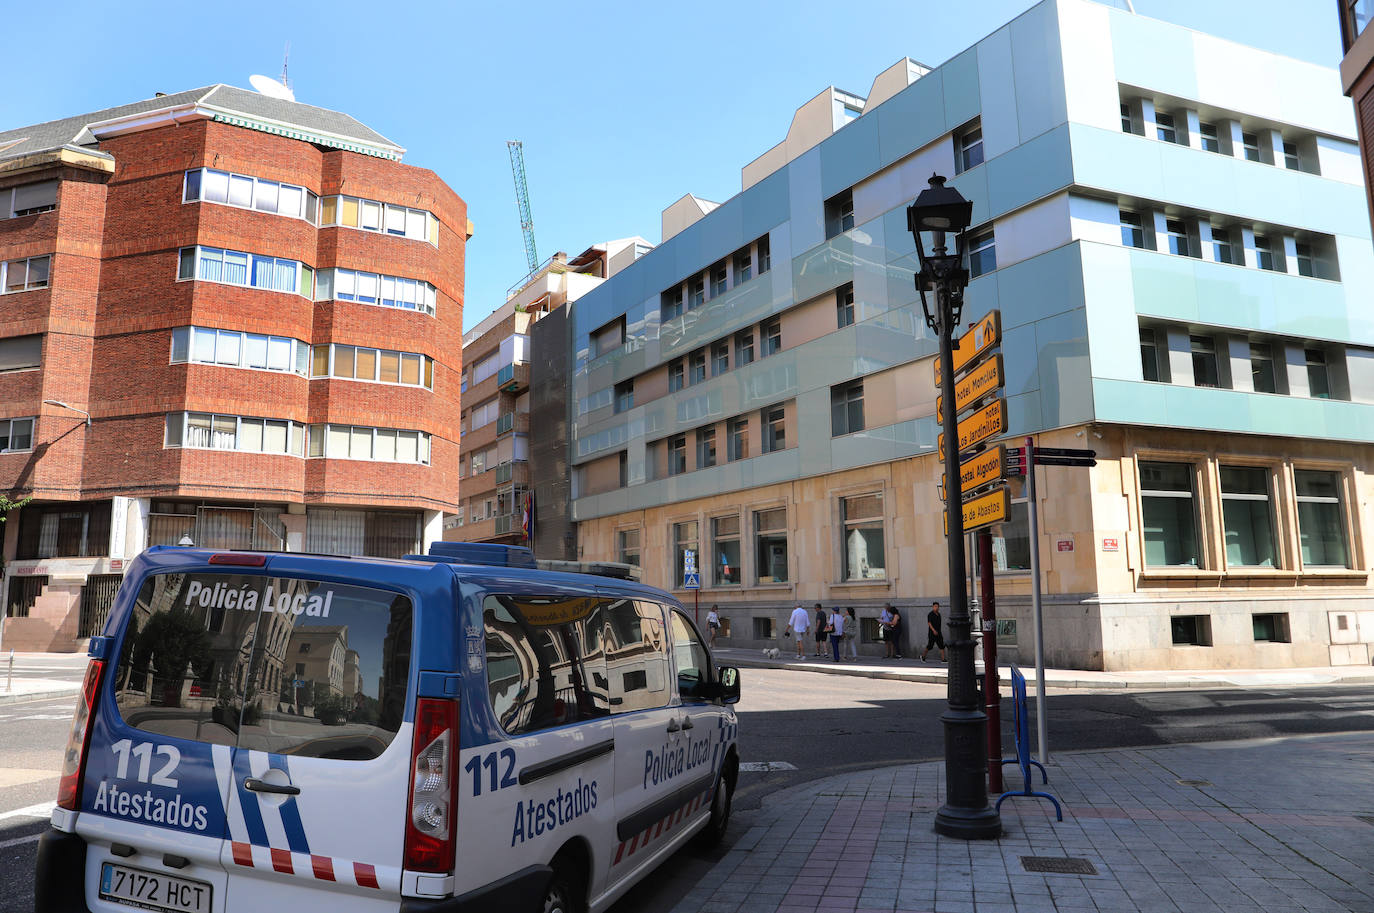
point(799, 624)
point(836, 629)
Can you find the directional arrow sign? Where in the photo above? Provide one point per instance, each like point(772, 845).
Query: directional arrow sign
point(987, 422)
point(974, 385)
point(993, 507)
point(985, 334)
point(978, 471)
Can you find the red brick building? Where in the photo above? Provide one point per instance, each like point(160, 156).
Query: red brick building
point(227, 318)
point(1357, 77)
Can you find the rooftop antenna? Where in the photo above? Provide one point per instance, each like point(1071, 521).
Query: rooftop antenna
point(272, 88)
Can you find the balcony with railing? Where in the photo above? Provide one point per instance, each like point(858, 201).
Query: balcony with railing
point(516, 471)
point(514, 378)
point(505, 423)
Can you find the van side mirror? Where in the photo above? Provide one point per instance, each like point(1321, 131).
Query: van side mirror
point(727, 678)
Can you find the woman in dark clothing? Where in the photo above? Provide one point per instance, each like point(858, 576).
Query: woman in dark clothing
point(894, 633)
point(821, 624)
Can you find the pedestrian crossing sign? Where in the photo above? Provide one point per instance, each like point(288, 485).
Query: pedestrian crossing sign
point(691, 581)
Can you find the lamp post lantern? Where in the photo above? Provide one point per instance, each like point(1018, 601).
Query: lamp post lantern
point(940, 210)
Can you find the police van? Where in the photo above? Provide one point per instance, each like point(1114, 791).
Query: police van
point(459, 731)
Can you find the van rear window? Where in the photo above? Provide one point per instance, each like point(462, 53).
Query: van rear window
point(284, 665)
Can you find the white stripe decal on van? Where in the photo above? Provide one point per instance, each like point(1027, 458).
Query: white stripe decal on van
point(224, 778)
point(269, 810)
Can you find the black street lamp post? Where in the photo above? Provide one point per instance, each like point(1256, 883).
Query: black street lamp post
point(966, 813)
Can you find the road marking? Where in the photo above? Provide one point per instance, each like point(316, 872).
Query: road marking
point(32, 838)
point(41, 810)
point(766, 766)
point(37, 716)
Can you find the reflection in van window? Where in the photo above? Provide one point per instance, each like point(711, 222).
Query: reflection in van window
point(693, 664)
point(295, 667)
point(546, 660)
point(637, 656)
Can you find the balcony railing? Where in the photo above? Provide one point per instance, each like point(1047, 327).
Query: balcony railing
point(504, 423)
point(505, 523)
point(505, 375)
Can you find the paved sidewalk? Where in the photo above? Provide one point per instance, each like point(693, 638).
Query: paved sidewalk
point(1272, 825)
point(912, 669)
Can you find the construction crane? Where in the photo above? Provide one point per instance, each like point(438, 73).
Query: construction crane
point(522, 199)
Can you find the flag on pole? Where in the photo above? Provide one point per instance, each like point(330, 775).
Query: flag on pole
point(527, 521)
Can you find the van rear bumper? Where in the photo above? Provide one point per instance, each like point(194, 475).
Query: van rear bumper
point(59, 880)
point(522, 890)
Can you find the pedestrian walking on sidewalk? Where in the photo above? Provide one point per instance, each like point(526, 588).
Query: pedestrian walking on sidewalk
point(835, 628)
point(713, 623)
point(885, 632)
point(894, 631)
point(821, 624)
point(934, 636)
point(797, 626)
point(851, 633)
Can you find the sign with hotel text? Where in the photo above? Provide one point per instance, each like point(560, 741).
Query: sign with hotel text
point(987, 422)
point(985, 334)
point(979, 470)
point(973, 386)
point(993, 507)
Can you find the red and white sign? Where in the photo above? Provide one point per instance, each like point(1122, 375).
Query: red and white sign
point(1111, 544)
point(1063, 545)
point(116, 564)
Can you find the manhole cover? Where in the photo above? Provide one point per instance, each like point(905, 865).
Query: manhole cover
point(1367, 819)
point(1194, 783)
point(1058, 865)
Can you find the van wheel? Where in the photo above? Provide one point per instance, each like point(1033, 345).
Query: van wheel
point(564, 893)
point(721, 803)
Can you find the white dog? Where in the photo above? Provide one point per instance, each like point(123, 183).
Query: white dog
point(770, 652)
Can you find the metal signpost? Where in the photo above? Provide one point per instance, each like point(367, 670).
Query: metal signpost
point(691, 580)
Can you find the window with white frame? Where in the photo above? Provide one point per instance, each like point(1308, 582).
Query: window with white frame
point(676, 375)
point(484, 413)
point(839, 213)
point(696, 292)
point(737, 443)
point(1211, 142)
point(1011, 539)
point(382, 366)
point(725, 550)
point(1250, 144)
point(1204, 352)
point(684, 540)
point(1127, 122)
point(1132, 229)
point(208, 185)
point(720, 357)
point(982, 252)
point(1149, 354)
point(844, 305)
point(210, 431)
point(1303, 251)
point(376, 289)
point(764, 254)
point(706, 447)
point(1223, 247)
point(1262, 376)
point(1247, 517)
point(384, 218)
point(236, 267)
point(25, 275)
point(847, 408)
point(1169, 514)
point(1264, 253)
point(718, 279)
point(743, 265)
point(1321, 518)
point(231, 348)
point(28, 199)
point(968, 147)
point(744, 348)
point(1291, 159)
point(863, 543)
point(770, 545)
point(16, 434)
point(1164, 127)
point(627, 546)
point(696, 368)
point(774, 429)
point(670, 305)
point(358, 442)
point(770, 331)
point(677, 454)
point(1178, 237)
point(625, 395)
point(1318, 376)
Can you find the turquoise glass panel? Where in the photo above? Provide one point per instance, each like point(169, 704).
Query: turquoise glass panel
point(849, 155)
point(911, 118)
point(961, 91)
point(1040, 97)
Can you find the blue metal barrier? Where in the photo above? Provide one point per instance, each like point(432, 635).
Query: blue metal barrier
point(1023, 758)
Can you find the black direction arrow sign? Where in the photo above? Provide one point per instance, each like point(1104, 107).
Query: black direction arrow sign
point(1063, 461)
point(1063, 452)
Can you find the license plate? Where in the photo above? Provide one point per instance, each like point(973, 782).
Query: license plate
point(153, 890)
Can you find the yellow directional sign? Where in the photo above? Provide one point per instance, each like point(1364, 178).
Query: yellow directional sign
point(974, 385)
point(993, 507)
point(982, 469)
point(989, 421)
point(985, 334)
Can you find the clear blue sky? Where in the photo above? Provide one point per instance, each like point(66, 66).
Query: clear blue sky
point(622, 108)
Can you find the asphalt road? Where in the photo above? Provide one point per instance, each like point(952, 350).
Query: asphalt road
point(817, 724)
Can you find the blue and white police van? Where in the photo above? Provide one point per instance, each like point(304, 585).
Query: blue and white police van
point(460, 731)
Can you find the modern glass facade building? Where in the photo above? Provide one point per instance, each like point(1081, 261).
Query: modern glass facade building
point(1173, 228)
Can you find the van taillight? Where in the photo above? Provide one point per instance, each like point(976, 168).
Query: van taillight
point(74, 758)
point(433, 787)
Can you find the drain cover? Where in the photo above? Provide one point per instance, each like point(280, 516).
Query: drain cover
point(1194, 782)
point(1058, 865)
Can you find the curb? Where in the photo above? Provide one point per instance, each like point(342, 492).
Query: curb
point(21, 696)
point(940, 677)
